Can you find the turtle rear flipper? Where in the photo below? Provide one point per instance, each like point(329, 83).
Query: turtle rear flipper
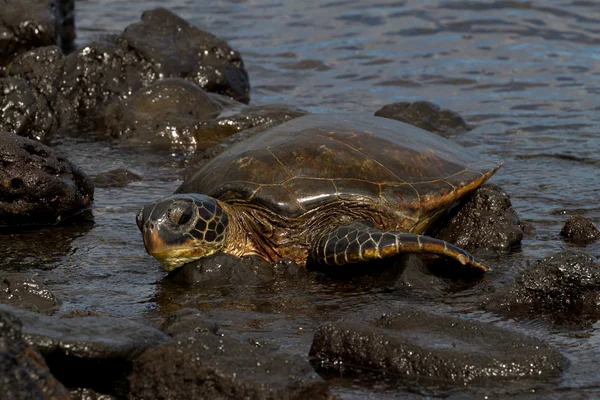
point(358, 242)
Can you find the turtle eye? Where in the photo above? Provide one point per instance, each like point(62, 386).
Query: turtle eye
point(179, 214)
point(138, 218)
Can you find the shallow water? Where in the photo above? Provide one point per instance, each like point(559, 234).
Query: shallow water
point(528, 76)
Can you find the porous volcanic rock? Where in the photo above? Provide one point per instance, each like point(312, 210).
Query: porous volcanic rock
point(579, 230)
point(485, 220)
point(38, 186)
point(80, 85)
point(562, 289)
point(207, 366)
point(176, 48)
point(426, 115)
point(24, 111)
point(444, 349)
point(89, 351)
point(41, 67)
point(24, 374)
point(24, 25)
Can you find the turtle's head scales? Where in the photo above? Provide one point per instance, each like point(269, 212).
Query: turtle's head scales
point(182, 228)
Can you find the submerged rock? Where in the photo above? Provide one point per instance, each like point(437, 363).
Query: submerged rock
point(118, 177)
point(24, 292)
point(562, 289)
point(187, 321)
point(38, 186)
point(579, 230)
point(23, 371)
point(90, 351)
point(425, 115)
point(420, 345)
point(206, 366)
point(485, 220)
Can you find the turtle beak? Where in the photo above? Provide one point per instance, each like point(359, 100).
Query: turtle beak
point(171, 256)
point(152, 241)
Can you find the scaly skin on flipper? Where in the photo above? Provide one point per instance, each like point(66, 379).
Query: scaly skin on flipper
point(358, 242)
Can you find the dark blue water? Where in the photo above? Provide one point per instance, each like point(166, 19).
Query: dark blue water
point(527, 74)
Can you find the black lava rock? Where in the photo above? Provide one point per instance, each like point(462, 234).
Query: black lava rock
point(222, 270)
point(579, 230)
point(442, 349)
point(38, 186)
point(24, 25)
point(176, 48)
point(24, 111)
point(24, 374)
point(425, 115)
point(562, 289)
point(485, 220)
point(89, 351)
point(206, 366)
point(40, 67)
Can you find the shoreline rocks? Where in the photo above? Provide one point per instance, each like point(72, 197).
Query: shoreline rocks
point(444, 349)
point(37, 185)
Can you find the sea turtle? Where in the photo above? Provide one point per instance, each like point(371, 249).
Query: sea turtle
point(333, 189)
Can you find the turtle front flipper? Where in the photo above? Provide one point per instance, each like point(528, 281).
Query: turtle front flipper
point(358, 242)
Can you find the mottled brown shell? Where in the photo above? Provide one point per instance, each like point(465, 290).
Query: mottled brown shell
point(315, 160)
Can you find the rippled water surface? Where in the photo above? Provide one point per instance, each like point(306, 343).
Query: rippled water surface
point(527, 74)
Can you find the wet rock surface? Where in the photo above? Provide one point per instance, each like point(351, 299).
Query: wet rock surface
point(224, 269)
point(38, 186)
point(24, 111)
point(188, 320)
point(579, 230)
point(177, 48)
point(118, 177)
point(441, 349)
point(207, 366)
point(25, 292)
point(177, 114)
point(562, 289)
point(89, 394)
point(426, 115)
point(163, 114)
point(485, 220)
point(23, 371)
point(89, 351)
point(40, 67)
point(162, 45)
point(24, 25)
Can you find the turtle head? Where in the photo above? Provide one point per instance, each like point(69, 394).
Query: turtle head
point(182, 228)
